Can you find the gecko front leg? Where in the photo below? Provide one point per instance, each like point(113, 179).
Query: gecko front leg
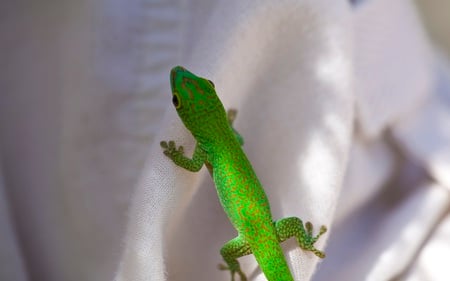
point(178, 157)
point(231, 116)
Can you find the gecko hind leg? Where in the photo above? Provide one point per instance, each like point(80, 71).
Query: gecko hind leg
point(231, 115)
point(232, 250)
point(293, 227)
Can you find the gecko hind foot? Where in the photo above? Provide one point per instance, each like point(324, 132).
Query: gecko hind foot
point(310, 239)
point(233, 270)
point(293, 227)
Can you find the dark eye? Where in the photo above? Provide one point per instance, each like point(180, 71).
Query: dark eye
point(175, 100)
point(211, 82)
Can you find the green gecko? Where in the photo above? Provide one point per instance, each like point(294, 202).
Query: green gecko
point(240, 192)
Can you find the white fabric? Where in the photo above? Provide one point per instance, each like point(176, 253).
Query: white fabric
point(390, 48)
point(343, 105)
point(425, 133)
point(432, 261)
point(293, 102)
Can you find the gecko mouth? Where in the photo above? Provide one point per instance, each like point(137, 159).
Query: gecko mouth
point(173, 74)
point(172, 78)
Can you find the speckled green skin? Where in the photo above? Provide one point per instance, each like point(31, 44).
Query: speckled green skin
point(239, 190)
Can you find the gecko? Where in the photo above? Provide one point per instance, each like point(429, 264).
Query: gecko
point(218, 147)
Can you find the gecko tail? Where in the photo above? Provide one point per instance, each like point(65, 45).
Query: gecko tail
point(272, 262)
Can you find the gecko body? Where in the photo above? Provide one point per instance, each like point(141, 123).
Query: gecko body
point(239, 190)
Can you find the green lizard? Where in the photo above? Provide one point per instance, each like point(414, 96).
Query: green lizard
point(239, 190)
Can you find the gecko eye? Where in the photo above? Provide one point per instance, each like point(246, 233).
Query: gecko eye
point(176, 100)
point(212, 84)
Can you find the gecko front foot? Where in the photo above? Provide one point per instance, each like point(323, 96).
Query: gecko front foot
point(231, 115)
point(178, 157)
point(170, 149)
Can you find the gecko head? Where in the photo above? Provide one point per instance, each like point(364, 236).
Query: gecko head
point(194, 97)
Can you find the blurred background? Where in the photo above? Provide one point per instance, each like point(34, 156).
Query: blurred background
point(436, 18)
point(67, 69)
